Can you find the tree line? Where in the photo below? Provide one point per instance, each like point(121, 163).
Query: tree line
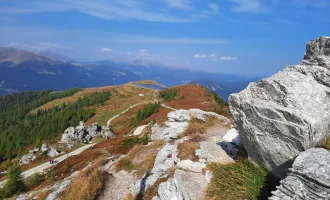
point(169, 94)
point(20, 129)
point(146, 112)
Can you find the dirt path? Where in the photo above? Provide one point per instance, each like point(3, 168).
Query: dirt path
point(42, 167)
point(114, 117)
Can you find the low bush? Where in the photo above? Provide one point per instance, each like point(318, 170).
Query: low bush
point(239, 180)
point(146, 112)
point(169, 94)
point(14, 185)
point(34, 180)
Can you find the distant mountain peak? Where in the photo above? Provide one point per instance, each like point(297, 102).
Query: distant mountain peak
point(56, 56)
point(9, 54)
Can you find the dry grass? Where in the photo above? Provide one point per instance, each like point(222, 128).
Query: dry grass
point(152, 191)
point(141, 158)
point(325, 143)
point(239, 180)
point(187, 150)
point(195, 130)
point(88, 183)
point(43, 195)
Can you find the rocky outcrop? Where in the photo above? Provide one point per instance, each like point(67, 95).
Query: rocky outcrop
point(27, 158)
point(44, 148)
point(309, 177)
point(106, 132)
point(82, 134)
point(287, 113)
point(53, 152)
point(178, 121)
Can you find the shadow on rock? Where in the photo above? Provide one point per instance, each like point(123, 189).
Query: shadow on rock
point(272, 181)
point(143, 186)
point(233, 150)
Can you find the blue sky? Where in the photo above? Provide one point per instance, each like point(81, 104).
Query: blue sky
point(249, 37)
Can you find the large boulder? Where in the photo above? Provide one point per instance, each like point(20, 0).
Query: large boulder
point(82, 134)
point(94, 130)
point(27, 158)
point(289, 112)
point(309, 177)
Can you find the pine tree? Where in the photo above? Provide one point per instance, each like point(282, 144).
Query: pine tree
point(15, 183)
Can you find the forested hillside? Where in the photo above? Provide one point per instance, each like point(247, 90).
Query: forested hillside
point(18, 127)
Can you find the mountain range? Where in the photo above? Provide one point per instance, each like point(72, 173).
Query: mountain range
point(22, 70)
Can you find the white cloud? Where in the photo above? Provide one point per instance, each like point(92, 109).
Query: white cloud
point(204, 56)
point(109, 10)
point(228, 58)
point(14, 44)
point(214, 57)
point(213, 8)
point(106, 50)
point(179, 4)
point(137, 39)
point(48, 45)
point(142, 53)
point(247, 5)
point(42, 46)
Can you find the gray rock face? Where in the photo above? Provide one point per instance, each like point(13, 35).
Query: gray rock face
point(318, 47)
point(309, 177)
point(44, 148)
point(27, 158)
point(52, 152)
point(287, 113)
point(94, 130)
point(106, 132)
point(81, 133)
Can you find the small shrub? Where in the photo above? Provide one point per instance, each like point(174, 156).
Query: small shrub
point(145, 139)
point(239, 180)
point(169, 94)
point(124, 164)
point(15, 183)
point(34, 180)
point(146, 112)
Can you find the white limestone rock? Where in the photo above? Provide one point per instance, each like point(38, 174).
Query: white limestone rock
point(94, 130)
point(27, 158)
point(184, 186)
point(232, 136)
point(191, 166)
point(309, 177)
point(287, 113)
point(178, 121)
point(44, 148)
point(52, 152)
point(106, 132)
point(212, 152)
